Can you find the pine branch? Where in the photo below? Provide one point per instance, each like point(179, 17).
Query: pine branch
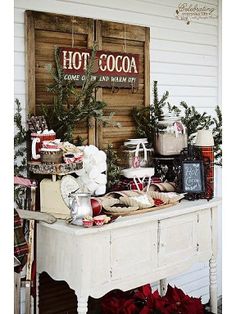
point(20, 162)
point(72, 105)
point(113, 170)
point(19, 141)
point(146, 120)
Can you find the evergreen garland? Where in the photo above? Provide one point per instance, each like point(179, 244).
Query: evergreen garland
point(72, 105)
point(113, 170)
point(146, 120)
point(157, 109)
point(20, 160)
point(20, 164)
point(217, 134)
point(192, 119)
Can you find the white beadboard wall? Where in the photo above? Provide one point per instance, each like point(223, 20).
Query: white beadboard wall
point(184, 60)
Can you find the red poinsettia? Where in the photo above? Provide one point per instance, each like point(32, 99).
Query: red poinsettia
point(180, 303)
point(148, 301)
point(129, 307)
point(144, 301)
point(113, 302)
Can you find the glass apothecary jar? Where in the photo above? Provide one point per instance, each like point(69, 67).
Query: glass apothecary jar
point(171, 136)
point(136, 152)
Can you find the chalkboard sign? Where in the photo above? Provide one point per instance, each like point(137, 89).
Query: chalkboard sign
point(193, 177)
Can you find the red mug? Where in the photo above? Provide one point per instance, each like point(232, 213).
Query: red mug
point(96, 206)
point(37, 142)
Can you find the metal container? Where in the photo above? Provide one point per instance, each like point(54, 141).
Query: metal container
point(80, 206)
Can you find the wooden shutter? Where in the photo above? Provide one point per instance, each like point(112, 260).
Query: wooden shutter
point(131, 39)
point(44, 32)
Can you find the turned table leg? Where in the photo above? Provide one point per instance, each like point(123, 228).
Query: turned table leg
point(213, 285)
point(37, 293)
point(82, 307)
point(212, 263)
point(163, 286)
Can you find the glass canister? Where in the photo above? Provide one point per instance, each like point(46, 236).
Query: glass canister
point(136, 152)
point(171, 136)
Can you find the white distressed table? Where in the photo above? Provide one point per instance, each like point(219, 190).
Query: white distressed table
point(132, 251)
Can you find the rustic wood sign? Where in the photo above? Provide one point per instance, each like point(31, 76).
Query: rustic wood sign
point(111, 69)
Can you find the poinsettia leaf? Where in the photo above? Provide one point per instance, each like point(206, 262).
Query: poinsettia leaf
point(113, 301)
point(156, 295)
point(129, 307)
point(172, 295)
point(146, 310)
point(147, 290)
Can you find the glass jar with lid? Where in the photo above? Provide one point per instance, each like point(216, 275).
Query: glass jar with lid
point(171, 136)
point(136, 152)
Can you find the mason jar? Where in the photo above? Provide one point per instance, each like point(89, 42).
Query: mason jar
point(136, 153)
point(171, 136)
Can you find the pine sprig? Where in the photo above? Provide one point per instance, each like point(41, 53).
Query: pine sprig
point(71, 105)
point(19, 142)
point(20, 160)
point(146, 119)
point(144, 124)
point(194, 121)
point(156, 109)
point(217, 134)
point(173, 108)
point(113, 170)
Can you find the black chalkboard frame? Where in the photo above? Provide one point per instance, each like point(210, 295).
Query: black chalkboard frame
point(201, 174)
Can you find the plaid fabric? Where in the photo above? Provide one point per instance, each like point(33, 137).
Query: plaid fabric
point(208, 158)
point(21, 249)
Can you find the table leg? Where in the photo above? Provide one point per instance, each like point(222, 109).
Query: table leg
point(213, 285)
point(37, 293)
point(163, 286)
point(82, 306)
point(17, 292)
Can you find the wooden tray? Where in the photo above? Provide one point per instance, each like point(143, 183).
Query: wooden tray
point(54, 169)
point(139, 211)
